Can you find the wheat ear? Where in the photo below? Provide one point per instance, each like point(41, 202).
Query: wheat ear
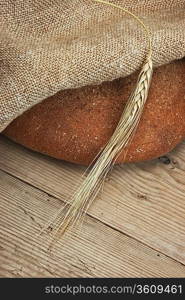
point(123, 134)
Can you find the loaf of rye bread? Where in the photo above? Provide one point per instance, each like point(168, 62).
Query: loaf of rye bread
point(75, 124)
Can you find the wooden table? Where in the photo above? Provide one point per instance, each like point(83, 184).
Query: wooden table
point(135, 228)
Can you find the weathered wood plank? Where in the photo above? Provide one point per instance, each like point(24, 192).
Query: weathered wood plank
point(98, 251)
point(145, 201)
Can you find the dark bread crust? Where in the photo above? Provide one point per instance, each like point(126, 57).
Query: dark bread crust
point(74, 125)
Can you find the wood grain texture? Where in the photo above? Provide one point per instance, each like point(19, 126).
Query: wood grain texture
point(145, 201)
point(99, 251)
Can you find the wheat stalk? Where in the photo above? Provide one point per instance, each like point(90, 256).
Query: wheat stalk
point(123, 134)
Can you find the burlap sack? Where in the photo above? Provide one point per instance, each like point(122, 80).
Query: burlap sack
point(49, 45)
